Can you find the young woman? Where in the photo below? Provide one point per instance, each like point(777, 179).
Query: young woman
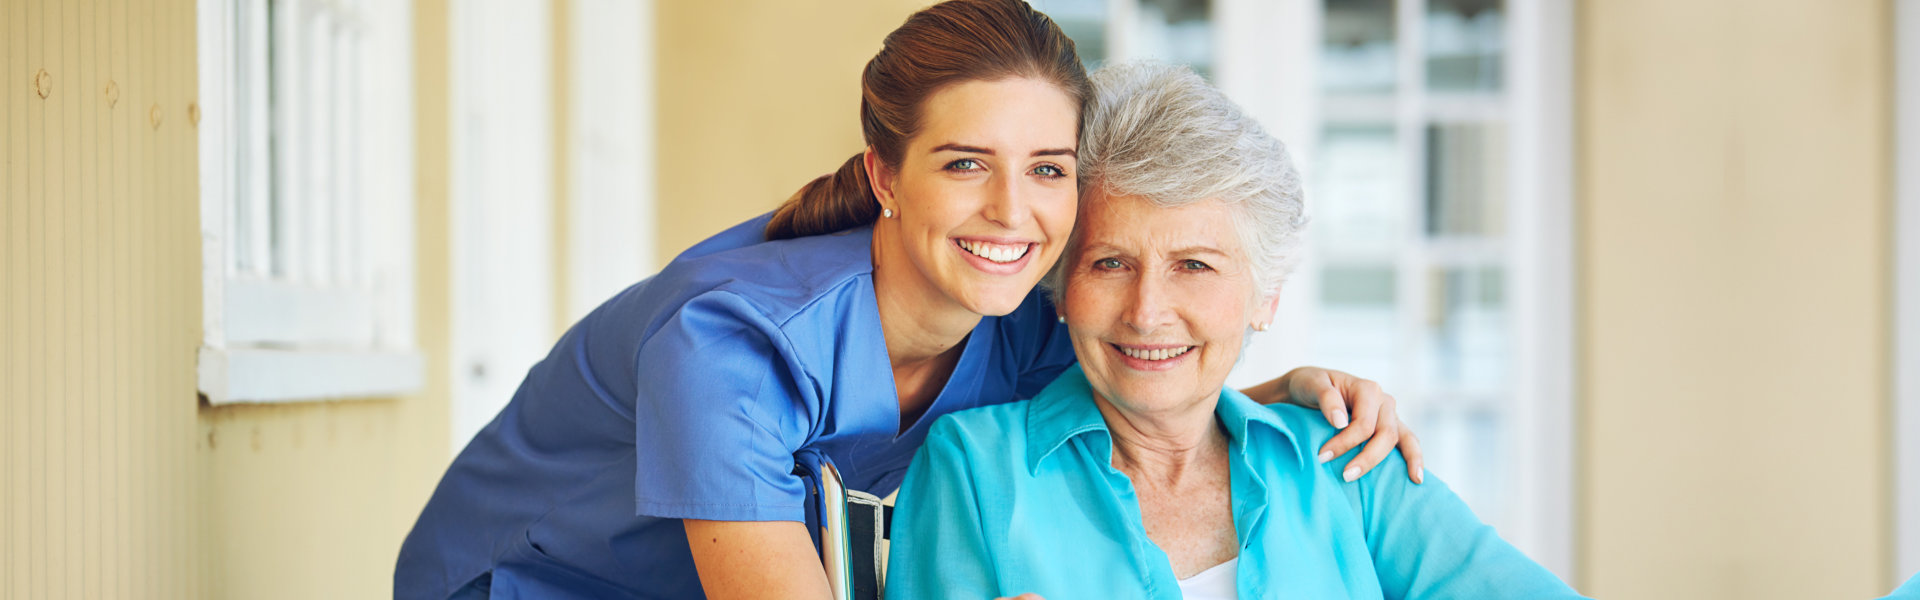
point(651, 453)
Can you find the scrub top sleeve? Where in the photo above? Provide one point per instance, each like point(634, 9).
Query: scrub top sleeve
point(1426, 543)
point(938, 547)
point(722, 404)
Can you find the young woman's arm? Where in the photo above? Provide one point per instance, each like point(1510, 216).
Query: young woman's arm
point(715, 433)
point(743, 560)
point(1375, 421)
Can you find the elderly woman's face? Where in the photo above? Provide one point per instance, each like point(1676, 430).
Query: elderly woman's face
point(1158, 300)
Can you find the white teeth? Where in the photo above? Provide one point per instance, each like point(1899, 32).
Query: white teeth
point(995, 252)
point(1158, 354)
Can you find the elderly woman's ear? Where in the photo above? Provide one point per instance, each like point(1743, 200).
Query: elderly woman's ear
point(1264, 311)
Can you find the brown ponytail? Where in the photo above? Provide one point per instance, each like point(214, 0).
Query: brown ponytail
point(949, 42)
point(832, 202)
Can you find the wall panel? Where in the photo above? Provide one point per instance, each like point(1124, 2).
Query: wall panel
point(114, 480)
point(105, 492)
point(1734, 189)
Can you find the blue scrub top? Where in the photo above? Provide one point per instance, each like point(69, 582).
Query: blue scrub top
point(1024, 497)
point(686, 396)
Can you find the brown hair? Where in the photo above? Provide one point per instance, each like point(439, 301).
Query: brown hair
point(949, 42)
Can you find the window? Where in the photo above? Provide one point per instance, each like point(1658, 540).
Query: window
point(306, 199)
point(1434, 136)
point(1441, 253)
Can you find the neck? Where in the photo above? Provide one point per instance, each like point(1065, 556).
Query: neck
point(1160, 449)
point(920, 322)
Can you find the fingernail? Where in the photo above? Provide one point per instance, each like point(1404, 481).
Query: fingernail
point(1351, 474)
point(1420, 476)
point(1324, 457)
point(1339, 420)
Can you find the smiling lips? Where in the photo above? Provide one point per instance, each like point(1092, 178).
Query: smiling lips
point(1152, 358)
point(1155, 354)
point(998, 253)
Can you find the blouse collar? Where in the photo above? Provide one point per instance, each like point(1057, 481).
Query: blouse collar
point(1065, 410)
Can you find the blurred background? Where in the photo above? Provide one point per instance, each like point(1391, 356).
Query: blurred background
point(1644, 275)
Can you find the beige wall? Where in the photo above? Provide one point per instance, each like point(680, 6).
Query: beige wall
point(1733, 199)
point(105, 475)
point(755, 102)
point(1733, 164)
point(114, 481)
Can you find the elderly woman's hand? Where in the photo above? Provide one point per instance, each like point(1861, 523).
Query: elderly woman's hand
point(1374, 420)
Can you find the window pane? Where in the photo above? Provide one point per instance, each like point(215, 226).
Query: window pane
point(1363, 287)
point(1465, 448)
point(1357, 328)
point(1357, 46)
point(1466, 338)
point(1465, 44)
point(284, 75)
point(1357, 202)
point(1466, 180)
point(1083, 20)
point(247, 40)
point(1176, 31)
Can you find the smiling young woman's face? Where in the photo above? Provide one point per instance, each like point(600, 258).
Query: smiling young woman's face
point(984, 196)
point(1158, 301)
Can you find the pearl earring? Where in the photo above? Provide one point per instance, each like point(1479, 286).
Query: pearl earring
point(1259, 326)
point(1062, 318)
point(886, 213)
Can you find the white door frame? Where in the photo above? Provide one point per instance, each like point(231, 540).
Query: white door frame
point(1906, 297)
point(500, 206)
point(611, 220)
point(1541, 136)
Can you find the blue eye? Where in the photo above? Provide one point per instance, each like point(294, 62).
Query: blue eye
point(1050, 171)
point(1107, 263)
point(1194, 265)
point(964, 164)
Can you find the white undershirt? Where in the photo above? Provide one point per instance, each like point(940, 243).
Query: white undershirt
point(1216, 583)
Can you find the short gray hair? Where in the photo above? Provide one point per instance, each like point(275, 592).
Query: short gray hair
point(1161, 133)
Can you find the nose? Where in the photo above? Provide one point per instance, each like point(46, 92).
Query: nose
point(1008, 203)
point(1148, 305)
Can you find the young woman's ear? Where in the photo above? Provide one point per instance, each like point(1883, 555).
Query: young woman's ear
point(881, 177)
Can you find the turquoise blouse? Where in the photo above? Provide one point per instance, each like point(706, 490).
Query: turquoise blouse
point(1909, 591)
point(1023, 497)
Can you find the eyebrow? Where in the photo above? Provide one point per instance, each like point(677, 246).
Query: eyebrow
point(1194, 250)
point(1097, 246)
point(989, 151)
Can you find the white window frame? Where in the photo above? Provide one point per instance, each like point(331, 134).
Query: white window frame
point(327, 311)
point(1906, 297)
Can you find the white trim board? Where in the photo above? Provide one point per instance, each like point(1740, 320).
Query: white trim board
point(1906, 297)
point(501, 207)
point(611, 220)
point(1541, 64)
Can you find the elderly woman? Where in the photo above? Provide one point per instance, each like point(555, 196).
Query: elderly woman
point(1138, 474)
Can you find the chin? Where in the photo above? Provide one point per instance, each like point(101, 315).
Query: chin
point(995, 302)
